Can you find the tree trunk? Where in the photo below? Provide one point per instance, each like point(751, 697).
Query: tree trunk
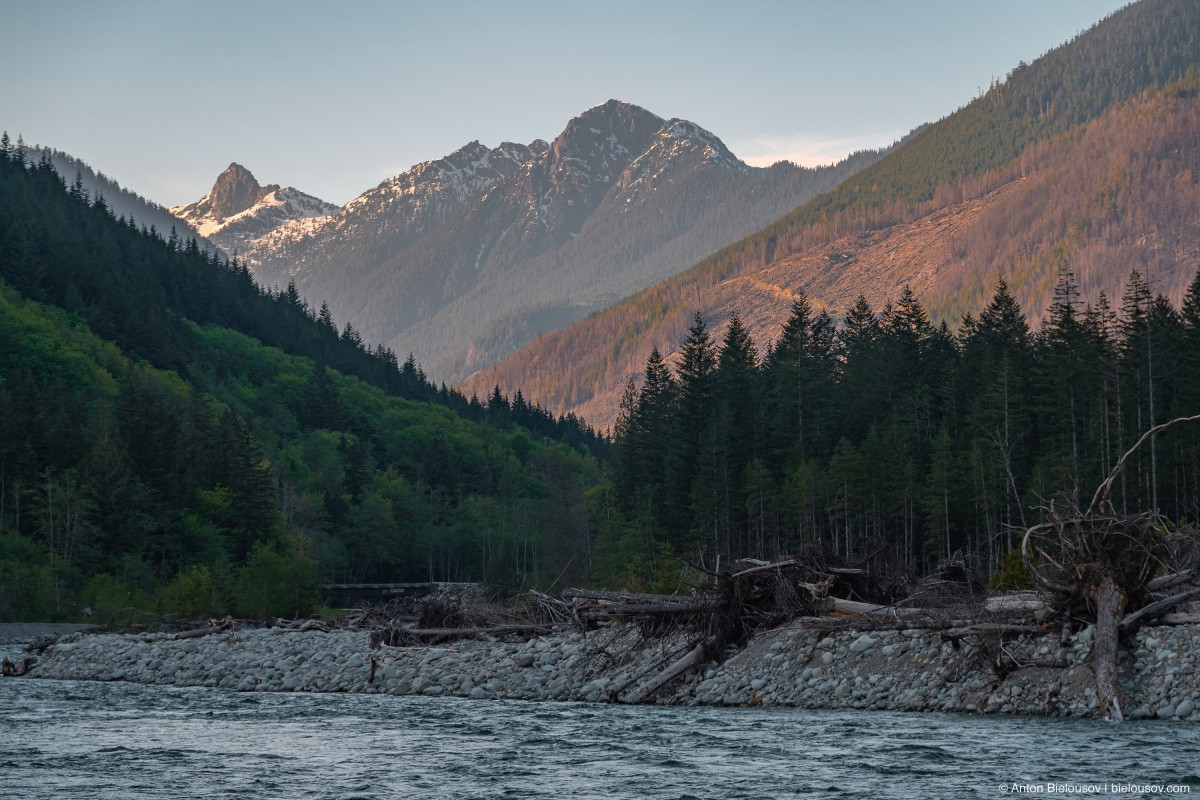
point(1110, 606)
point(220, 627)
point(694, 657)
point(1155, 610)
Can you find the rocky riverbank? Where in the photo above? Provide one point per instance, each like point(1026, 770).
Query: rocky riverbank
point(26, 632)
point(909, 670)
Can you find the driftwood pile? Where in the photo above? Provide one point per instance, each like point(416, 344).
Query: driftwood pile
point(15, 669)
point(443, 617)
point(811, 589)
point(1096, 565)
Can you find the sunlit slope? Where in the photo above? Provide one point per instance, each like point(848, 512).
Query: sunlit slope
point(1103, 198)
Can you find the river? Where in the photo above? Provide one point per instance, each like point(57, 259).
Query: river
point(66, 739)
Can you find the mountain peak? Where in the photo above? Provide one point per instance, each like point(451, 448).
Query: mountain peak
point(617, 115)
point(234, 191)
point(238, 210)
point(614, 106)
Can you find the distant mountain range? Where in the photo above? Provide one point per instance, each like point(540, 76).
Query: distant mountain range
point(464, 259)
point(1084, 160)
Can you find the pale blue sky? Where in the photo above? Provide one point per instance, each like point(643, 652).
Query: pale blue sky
point(333, 97)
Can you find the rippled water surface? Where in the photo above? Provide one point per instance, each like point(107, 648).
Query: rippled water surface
point(117, 740)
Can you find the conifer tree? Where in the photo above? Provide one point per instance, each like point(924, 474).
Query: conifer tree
point(1136, 358)
point(736, 407)
point(862, 395)
point(649, 438)
point(1061, 380)
point(325, 317)
point(997, 354)
point(691, 469)
point(1190, 322)
point(799, 372)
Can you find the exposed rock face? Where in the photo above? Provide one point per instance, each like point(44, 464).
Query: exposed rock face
point(235, 190)
point(565, 184)
point(238, 211)
point(384, 220)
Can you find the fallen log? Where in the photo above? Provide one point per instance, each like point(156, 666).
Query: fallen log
point(302, 626)
point(984, 628)
point(763, 567)
point(694, 657)
point(1176, 619)
point(914, 624)
point(873, 611)
point(433, 633)
point(1015, 602)
point(863, 624)
point(606, 595)
point(37, 647)
point(196, 633)
point(1168, 581)
point(1156, 609)
point(696, 606)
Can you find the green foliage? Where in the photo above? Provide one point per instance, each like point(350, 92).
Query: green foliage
point(114, 602)
point(196, 592)
point(275, 584)
point(35, 584)
point(1011, 574)
point(945, 444)
point(189, 444)
point(673, 577)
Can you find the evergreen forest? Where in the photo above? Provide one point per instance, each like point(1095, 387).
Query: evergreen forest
point(891, 437)
point(175, 439)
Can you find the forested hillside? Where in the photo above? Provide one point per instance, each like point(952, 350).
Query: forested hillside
point(892, 438)
point(175, 439)
point(1013, 185)
point(121, 201)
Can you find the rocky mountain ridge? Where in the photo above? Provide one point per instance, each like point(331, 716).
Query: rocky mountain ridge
point(463, 259)
point(397, 211)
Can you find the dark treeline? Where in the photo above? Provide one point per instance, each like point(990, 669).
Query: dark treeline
point(174, 439)
point(889, 430)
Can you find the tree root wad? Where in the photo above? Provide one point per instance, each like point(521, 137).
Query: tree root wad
point(1094, 564)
